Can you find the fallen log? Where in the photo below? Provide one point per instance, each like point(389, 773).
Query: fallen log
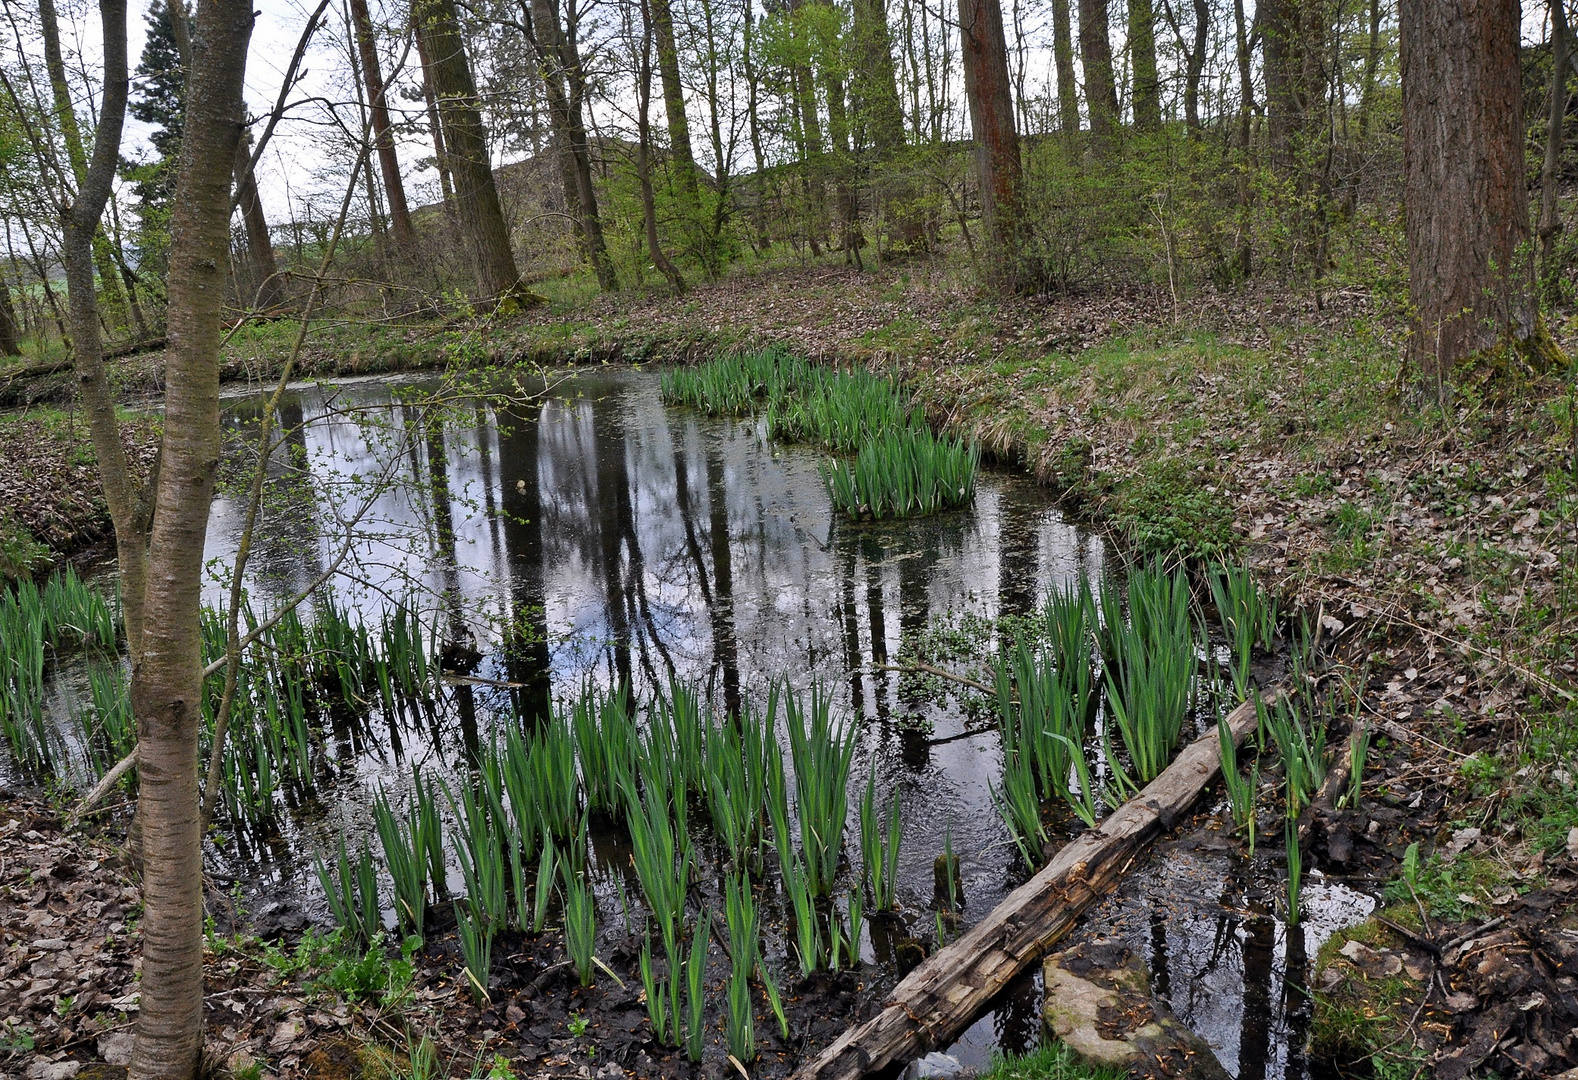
point(942, 996)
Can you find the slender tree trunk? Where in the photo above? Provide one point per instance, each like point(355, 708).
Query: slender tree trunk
point(480, 215)
point(383, 138)
point(80, 223)
point(1550, 175)
point(1243, 257)
point(166, 689)
point(643, 152)
point(987, 88)
point(1471, 277)
point(269, 289)
point(1372, 63)
point(1101, 87)
point(753, 121)
point(1142, 63)
point(880, 119)
point(581, 158)
point(683, 158)
point(838, 135)
point(1195, 66)
point(1063, 54)
point(8, 331)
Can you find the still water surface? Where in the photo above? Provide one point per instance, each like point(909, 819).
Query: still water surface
point(626, 541)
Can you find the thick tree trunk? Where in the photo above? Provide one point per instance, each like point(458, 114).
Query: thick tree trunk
point(1063, 55)
point(1101, 87)
point(1471, 275)
point(880, 119)
point(1142, 64)
point(1550, 175)
point(988, 89)
point(383, 138)
point(166, 689)
point(435, 127)
point(481, 217)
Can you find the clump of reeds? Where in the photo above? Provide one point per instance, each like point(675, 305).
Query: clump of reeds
point(1249, 619)
point(580, 925)
point(1301, 750)
point(1150, 669)
point(822, 752)
point(900, 467)
point(351, 886)
point(906, 472)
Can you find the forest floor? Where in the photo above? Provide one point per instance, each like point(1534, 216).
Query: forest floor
point(1436, 549)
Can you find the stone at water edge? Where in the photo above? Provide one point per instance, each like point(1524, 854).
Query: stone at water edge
point(1099, 1004)
point(934, 1066)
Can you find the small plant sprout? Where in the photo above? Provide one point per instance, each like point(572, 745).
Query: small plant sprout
point(1295, 869)
point(1241, 792)
point(577, 1025)
point(580, 925)
point(879, 846)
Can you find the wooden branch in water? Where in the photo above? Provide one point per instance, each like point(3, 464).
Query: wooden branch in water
point(963, 680)
point(943, 995)
point(1336, 781)
point(104, 786)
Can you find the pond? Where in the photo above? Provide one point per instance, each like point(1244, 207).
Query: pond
point(597, 536)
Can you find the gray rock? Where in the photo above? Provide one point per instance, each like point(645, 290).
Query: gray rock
point(1099, 1003)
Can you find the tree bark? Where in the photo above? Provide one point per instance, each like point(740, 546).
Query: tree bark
point(166, 690)
point(383, 139)
point(1195, 66)
point(1243, 255)
point(8, 332)
point(564, 85)
point(268, 290)
point(1550, 175)
point(481, 217)
point(1101, 87)
point(644, 156)
point(1142, 64)
point(1063, 54)
point(987, 88)
point(1471, 276)
point(435, 127)
point(880, 119)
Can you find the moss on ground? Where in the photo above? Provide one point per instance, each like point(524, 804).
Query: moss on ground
point(1050, 1061)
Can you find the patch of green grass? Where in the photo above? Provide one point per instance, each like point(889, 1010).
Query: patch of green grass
point(21, 554)
point(1173, 508)
point(1455, 887)
point(1358, 1025)
point(1050, 1061)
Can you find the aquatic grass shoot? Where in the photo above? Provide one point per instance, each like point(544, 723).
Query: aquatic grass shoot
point(351, 888)
point(822, 752)
point(695, 987)
point(1295, 869)
point(1249, 619)
point(476, 948)
point(656, 992)
point(405, 855)
point(879, 846)
point(580, 926)
point(1241, 791)
point(1150, 666)
point(1302, 752)
point(740, 1021)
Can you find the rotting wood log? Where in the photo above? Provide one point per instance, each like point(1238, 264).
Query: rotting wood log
point(943, 995)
